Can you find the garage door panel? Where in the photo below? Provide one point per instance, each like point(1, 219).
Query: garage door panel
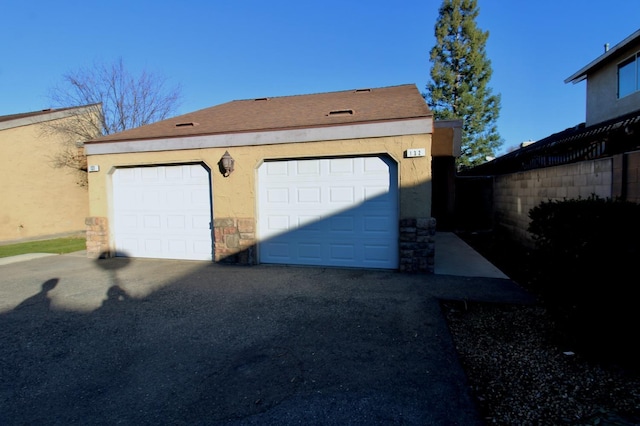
point(309, 222)
point(175, 198)
point(151, 222)
point(202, 223)
point(341, 195)
point(175, 222)
point(376, 253)
point(307, 168)
point(342, 252)
point(345, 216)
point(177, 246)
point(200, 198)
point(128, 245)
point(150, 174)
point(376, 224)
point(163, 212)
point(309, 195)
point(126, 175)
point(341, 166)
point(153, 246)
point(275, 250)
point(342, 223)
point(372, 165)
point(376, 194)
point(310, 251)
point(277, 195)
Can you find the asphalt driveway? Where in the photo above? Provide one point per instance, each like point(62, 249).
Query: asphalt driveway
point(135, 341)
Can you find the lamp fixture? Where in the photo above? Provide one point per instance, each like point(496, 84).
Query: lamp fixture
point(226, 164)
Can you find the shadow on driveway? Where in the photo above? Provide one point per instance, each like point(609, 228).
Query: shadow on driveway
point(196, 343)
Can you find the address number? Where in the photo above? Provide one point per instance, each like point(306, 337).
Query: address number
point(416, 152)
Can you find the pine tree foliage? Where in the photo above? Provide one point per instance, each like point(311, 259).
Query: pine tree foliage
point(460, 75)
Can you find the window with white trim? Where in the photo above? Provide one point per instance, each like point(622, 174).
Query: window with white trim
point(628, 76)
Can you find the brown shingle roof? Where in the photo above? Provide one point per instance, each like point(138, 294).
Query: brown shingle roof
point(288, 112)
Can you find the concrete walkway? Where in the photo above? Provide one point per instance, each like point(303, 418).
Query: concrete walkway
point(23, 257)
point(453, 257)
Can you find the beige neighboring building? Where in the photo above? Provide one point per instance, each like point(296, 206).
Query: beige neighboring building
point(38, 200)
point(328, 179)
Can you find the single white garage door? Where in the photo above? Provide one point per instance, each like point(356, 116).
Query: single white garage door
point(333, 212)
point(163, 212)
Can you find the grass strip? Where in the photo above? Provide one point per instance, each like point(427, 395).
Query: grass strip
point(56, 246)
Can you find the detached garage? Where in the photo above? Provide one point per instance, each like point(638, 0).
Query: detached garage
point(328, 179)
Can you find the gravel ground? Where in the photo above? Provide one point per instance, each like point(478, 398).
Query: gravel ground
point(520, 377)
point(522, 373)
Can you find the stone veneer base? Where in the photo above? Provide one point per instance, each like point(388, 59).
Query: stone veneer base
point(235, 242)
point(417, 245)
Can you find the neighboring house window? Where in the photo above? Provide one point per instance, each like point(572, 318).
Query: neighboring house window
point(628, 76)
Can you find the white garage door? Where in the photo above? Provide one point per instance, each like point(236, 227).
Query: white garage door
point(333, 212)
point(163, 212)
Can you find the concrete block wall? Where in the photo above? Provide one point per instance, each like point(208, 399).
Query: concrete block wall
point(515, 194)
point(626, 176)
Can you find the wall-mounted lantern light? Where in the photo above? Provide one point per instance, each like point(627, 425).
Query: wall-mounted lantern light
point(226, 164)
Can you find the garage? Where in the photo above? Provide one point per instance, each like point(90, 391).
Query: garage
point(340, 179)
point(329, 211)
point(163, 212)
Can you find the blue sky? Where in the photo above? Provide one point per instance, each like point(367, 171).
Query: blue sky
point(220, 51)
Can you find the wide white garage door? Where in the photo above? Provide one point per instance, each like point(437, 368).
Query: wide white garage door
point(333, 212)
point(163, 212)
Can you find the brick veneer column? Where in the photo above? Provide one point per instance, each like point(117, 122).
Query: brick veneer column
point(97, 237)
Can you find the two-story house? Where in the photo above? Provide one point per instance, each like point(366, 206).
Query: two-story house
point(613, 81)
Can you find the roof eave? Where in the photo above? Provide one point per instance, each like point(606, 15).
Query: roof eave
point(106, 139)
point(26, 119)
point(582, 73)
point(415, 126)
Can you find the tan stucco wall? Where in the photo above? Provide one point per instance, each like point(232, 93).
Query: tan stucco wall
point(235, 196)
point(602, 91)
point(447, 138)
point(36, 199)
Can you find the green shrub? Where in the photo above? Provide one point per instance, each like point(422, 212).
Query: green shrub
point(586, 253)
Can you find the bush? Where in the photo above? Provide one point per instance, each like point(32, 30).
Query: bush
point(586, 251)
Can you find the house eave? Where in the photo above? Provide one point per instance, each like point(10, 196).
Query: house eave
point(45, 115)
point(421, 125)
point(582, 73)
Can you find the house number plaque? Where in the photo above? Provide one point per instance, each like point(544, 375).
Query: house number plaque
point(416, 152)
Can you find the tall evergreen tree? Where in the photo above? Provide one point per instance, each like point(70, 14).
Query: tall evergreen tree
point(460, 75)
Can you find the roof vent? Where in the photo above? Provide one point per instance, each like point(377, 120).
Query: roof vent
point(363, 90)
point(261, 99)
point(340, 112)
point(189, 124)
